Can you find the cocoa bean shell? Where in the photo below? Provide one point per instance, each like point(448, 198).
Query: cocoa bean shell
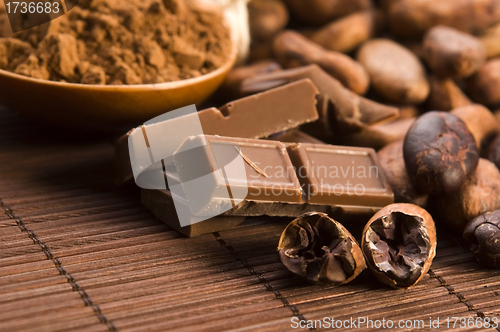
point(321, 250)
point(414, 218)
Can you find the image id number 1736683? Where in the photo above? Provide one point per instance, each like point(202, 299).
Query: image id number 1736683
point(32, 7)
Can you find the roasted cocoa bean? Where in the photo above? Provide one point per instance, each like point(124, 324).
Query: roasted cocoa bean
point(440, 153)
point(395, 73)
point(483, 233)
point(452, 53)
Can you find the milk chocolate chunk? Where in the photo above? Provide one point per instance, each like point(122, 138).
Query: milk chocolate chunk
point(335, 175)
point(270, 179)
point(256, 116)
point(263, 114)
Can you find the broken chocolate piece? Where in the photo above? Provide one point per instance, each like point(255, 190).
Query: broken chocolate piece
point(321, 250)
point(399, 243)
point(255, 116)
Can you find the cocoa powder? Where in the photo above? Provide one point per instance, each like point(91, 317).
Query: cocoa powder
point(121, 42)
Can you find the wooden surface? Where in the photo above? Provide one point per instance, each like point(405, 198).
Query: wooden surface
point(79, 254)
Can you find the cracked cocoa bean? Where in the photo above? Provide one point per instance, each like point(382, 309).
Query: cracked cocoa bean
point(484, 234)
point(440, 153)
point(321, 250)
point(399, 243)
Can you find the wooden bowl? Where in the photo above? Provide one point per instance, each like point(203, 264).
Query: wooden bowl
point(104, 107)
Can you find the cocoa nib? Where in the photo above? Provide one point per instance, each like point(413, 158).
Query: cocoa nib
point(399, 244)
point(320, 249)
point(440, 153)
point(484, 234)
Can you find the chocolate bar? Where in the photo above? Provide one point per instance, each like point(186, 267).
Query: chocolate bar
point(281, 180)
point(256, 116)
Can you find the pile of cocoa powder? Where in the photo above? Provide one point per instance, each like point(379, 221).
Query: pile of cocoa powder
point(120, 42)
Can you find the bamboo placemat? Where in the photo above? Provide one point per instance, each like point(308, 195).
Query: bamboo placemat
point(79, 254)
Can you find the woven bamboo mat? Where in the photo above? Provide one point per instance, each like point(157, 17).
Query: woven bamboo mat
point(79, 254)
